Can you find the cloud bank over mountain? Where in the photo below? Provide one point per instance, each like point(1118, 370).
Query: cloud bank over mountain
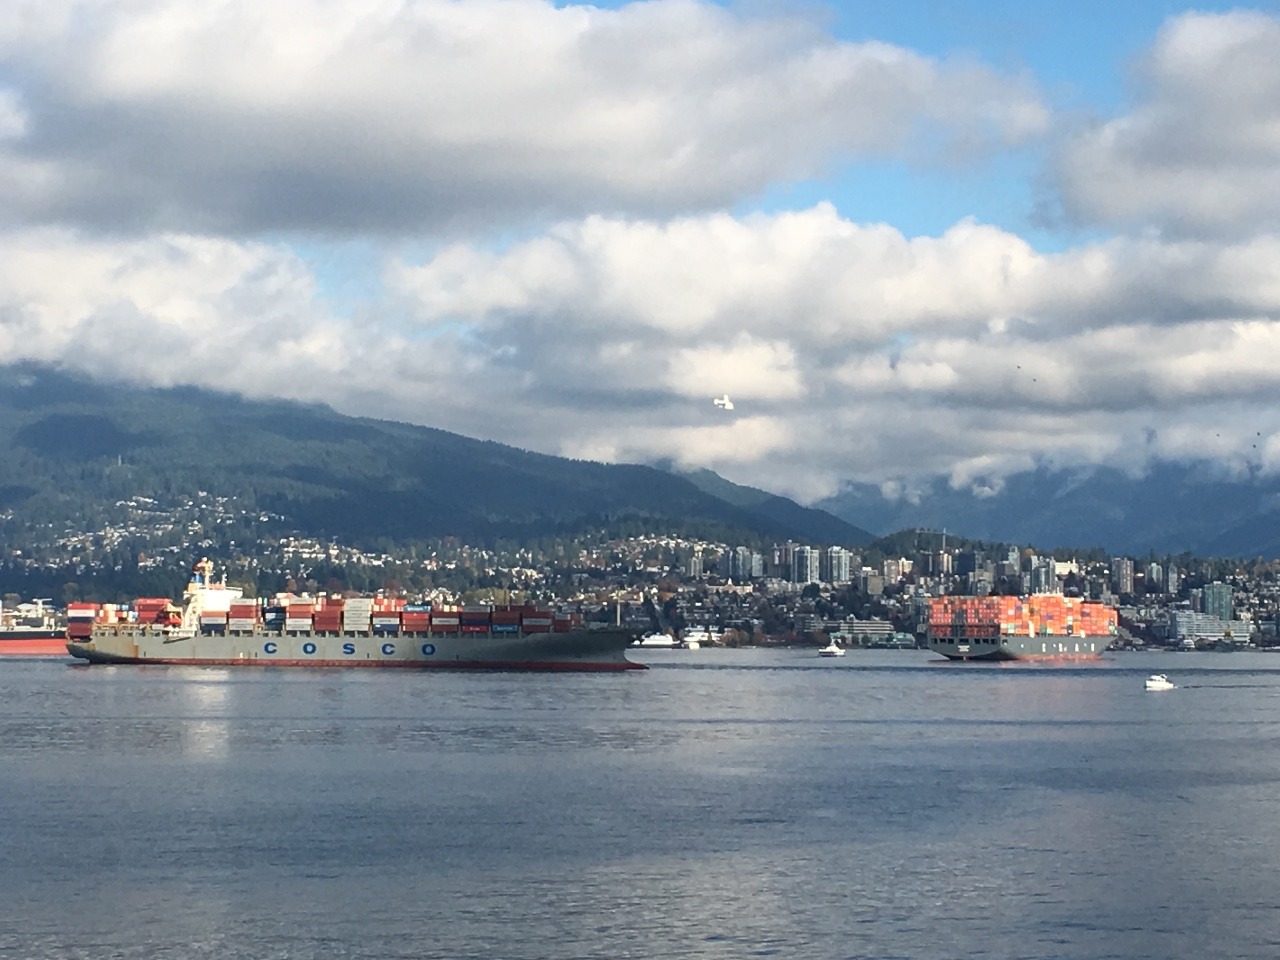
point(568, 228)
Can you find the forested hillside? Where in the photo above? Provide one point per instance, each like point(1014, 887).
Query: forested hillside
point(75, 449)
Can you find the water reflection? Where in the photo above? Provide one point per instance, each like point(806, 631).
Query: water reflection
point(205, 740)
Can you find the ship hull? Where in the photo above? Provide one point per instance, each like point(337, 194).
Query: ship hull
point(1020, 648)
point(575, 650)
point(33, 643)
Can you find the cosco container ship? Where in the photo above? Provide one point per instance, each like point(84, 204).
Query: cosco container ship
point(1039, 627)
point(215, 625)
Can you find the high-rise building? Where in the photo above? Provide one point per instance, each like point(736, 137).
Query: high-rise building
point(745, 564)
point(782, 557)
point(805, 565)
point(1217, 600)
point(1155, 578)
point(694, 567)
point(1044, 576)
point(836, 563)
point(1122, 574)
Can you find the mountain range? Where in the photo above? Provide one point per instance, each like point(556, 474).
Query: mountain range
point(74, 445)
point(1198, 508)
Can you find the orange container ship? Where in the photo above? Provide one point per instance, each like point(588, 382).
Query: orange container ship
point(1045, 626)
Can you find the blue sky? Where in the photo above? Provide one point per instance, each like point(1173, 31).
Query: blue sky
point(1080, 52)
point(568, 227)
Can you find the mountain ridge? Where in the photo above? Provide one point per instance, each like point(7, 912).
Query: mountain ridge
point(72, 441)
point(1198, 508)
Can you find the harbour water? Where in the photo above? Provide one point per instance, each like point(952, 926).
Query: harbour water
point(723, 804)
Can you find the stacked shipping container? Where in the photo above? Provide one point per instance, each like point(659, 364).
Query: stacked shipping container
point(416, 618)
point(357, 614)
point(330, 615)
point(80, 619)
point(1043, 615)
point(243, 616)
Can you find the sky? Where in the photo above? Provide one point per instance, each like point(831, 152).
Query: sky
point(908, 240)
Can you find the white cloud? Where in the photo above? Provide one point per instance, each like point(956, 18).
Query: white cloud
point(349, 115)
point(1199, 154)
point(967, 354)
point(13, 118)
point(987, 358)
point(166, 310)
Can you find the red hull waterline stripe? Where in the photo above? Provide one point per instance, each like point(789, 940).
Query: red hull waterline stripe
point(33, 648)
point(540, 665)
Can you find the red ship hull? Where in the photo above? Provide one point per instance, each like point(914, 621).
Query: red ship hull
point(33, 643)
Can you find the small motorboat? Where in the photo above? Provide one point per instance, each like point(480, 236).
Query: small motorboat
point(832, 649)
point(657, 640)
point(1158, 681)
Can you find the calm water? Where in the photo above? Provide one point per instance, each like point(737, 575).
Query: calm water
point(724, 804)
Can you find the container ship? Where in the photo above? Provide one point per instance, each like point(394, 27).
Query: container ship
point(1044, 626)
point(216, 625)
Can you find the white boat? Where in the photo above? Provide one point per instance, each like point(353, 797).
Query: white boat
point(695, 638)
point(664, 640)
point(832, 649)
point(1158, 681)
